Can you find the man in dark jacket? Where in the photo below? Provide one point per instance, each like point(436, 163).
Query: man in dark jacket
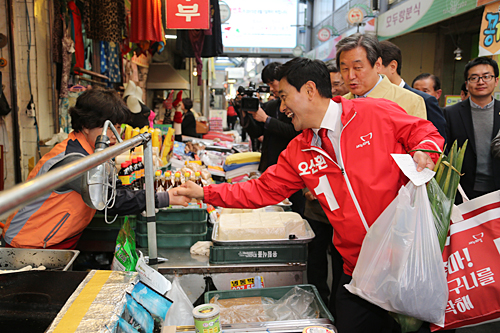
point(477, 119)
point(276, 128)
point(391, 67)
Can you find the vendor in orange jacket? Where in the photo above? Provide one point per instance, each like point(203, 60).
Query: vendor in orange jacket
point(344, 157)
point(56, 220)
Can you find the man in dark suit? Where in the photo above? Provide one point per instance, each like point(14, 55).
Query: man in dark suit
point(477, 119)
point(391, 67)
point(276, 128)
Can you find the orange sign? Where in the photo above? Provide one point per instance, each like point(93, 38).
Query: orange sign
point(355, 16)
point(489, 35)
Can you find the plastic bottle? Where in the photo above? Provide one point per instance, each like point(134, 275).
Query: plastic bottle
point(141, 172)
point(198, 180)
point(187, 176)
point(135, 131)
point(177, 179)
point(157, 182)
point(137, 174)
point(124, 174)
point(168, 180)
point(162, 181)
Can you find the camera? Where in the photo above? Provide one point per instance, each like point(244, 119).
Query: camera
point(249, 101)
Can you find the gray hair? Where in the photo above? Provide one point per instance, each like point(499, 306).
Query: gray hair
point(367, 41)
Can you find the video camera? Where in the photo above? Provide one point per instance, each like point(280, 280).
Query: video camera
point(249, 101)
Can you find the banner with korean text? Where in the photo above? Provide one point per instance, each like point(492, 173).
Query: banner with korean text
point(411, 15)
point(187, 14)
point(489, 35)
point(472, 262)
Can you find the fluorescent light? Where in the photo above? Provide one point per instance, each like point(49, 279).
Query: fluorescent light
point(170, 36)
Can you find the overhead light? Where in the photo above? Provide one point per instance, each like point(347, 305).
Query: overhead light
point(170, 36)
point(458, 54)
point(195, 72)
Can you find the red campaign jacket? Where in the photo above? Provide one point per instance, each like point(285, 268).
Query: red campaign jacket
point(353, 196)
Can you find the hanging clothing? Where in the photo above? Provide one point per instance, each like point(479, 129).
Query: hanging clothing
point(212, 38)
point(76, 20)
point(57, 33)
point(146, 21)
point(110, 62)
point(68, 50)
point(105, 20)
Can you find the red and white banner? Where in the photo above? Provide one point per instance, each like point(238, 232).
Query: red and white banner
point(472, 262)
point(187, 14)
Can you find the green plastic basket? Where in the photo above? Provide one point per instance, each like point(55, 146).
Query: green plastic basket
point(99, 222)
point(174, 227)
point(258, 254)
point(273, 292)
point(181, 214)
point(170, 241)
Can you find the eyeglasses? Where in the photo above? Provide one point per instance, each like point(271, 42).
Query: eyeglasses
point(486, 78)
point(337, 84)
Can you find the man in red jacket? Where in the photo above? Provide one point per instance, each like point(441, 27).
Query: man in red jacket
point(343, 155)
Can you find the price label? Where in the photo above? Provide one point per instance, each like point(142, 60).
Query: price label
point(247, 283)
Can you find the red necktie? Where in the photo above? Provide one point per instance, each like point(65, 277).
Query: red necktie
point(326, 144)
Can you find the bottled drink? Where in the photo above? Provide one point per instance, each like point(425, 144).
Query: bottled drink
point(177, 179)
point(124, 174)
point(162, 181)
point(141, 173)
point(168, 180)
point(187, 176)
point(157, 182)
point(136, 172)
point(197, 180)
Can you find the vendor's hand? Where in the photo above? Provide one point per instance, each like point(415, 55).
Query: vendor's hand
point(189, 189)
point(259, 115)
point(310, 196)
point(423, 161)
point(178, 199)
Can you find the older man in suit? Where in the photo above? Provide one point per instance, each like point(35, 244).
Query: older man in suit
point(359, 60)
point(477, 119)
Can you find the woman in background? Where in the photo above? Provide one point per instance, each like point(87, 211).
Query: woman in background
point(188, 119)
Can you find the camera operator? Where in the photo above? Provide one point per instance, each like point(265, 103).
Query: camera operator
point(276, 128)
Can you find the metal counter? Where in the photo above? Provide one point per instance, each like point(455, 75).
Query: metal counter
point(192, 268)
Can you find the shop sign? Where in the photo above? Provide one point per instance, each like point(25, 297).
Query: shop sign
point(355, 16)
point(489, 35)
point(324, 34)
point(415, 14)
point(452, 99)
point(187, 14)
point(248, 283)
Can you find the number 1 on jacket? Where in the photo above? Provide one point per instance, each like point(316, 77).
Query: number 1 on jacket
point(325, 188)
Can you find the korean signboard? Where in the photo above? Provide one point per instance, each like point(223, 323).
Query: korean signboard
point(187, 14)
point(415, 14)
point(489, 35)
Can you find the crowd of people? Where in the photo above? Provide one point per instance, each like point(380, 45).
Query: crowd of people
point(339, 194)
point(313, 137)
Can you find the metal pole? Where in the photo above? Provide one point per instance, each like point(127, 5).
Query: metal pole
point(150, 204)
point(22, 194)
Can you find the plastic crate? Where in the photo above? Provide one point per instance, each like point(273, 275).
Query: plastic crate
point(99, 222)
point(174, 227)
point(170, 241)
point(273, 292)
point(258, 254)
point(182, 214)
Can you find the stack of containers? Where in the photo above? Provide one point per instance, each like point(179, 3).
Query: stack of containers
point(175, 227)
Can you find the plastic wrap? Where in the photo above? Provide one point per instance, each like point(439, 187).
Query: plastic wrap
point(181, 311)
point(107, 306)
point(296, 304)
point(400, 267)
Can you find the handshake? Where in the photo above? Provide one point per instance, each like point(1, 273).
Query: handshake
point(183, 194)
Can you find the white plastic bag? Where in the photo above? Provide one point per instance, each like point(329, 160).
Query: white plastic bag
point(181, 312)
point(400, 266)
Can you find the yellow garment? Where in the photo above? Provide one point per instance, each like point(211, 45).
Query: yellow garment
point(241, 158)
point(409, 101)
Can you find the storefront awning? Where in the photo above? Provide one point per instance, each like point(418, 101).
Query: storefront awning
point(164, 76)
